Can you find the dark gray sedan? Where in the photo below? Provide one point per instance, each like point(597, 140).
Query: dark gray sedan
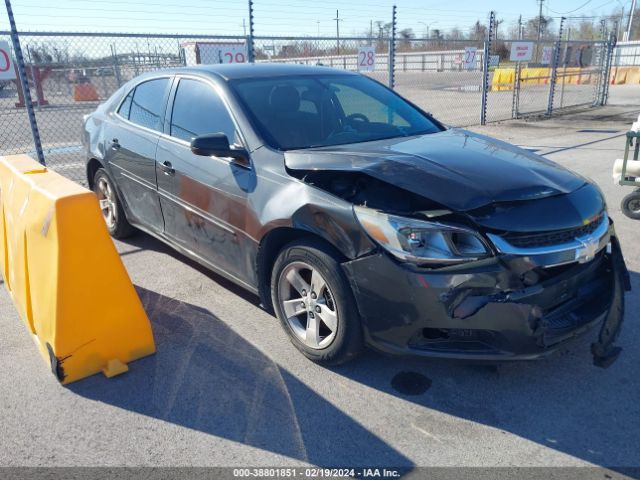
point(358, 217)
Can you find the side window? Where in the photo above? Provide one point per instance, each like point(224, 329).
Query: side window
point(197, 110)
point(147, 104)
point(357, 102)
point(125, 106)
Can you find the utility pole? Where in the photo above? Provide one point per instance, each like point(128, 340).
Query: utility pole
point(540, 20)
point(370, 32)
point(337, 19)
point(497, 25)
point(520, 27)
point(627, 34)
point(244, 27)
point(539, 30)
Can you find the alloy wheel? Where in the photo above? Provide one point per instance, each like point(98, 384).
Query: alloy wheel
point(107, 199)
point(308, 304)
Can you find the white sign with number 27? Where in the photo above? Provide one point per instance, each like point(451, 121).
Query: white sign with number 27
point(7, 72)
point(470, 57)
point(366, 59)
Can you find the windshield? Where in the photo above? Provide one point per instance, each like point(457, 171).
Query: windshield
point(313, 111)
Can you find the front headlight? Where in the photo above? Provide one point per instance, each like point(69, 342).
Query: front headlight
point(420, 241)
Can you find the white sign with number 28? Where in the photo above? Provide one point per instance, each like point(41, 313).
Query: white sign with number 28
point(366, 59)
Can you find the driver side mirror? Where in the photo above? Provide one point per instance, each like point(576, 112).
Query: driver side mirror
point(217, 145)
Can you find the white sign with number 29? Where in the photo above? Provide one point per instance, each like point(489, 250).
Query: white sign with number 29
point(7, 72)
point(366, 59)
point(222, 53)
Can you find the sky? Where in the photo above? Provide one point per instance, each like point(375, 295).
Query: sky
point(283, 17)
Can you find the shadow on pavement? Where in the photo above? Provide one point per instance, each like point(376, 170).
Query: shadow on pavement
point(562, 402)
point(208, 378)
point(142, 242)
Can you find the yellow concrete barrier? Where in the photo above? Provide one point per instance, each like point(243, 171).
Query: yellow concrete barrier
point(65, 276)
point(633, 76)
point(625, 75)
point(502, 79)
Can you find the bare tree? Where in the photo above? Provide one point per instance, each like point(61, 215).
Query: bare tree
point(478, 31)
point(406, 34)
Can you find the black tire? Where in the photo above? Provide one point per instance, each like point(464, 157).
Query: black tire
point(120, 227)
point(347, 343)
point(631, 205)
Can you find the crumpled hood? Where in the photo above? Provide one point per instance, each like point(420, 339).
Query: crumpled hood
point(456, 168)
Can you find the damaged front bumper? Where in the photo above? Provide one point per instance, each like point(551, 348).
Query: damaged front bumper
point(510, 307)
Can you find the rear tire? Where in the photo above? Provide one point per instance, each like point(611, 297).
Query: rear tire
point(631, 205)
point(315, 304)
point(110, 206)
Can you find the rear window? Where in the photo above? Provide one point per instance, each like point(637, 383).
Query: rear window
point(147, 105)
point(125, 106)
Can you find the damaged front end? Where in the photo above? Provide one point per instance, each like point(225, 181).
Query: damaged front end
point(503, 269)
point(502, 308)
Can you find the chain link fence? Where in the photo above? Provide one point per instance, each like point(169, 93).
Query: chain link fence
point(343, 54)
point(70, 74)
point(443, 77)
point(559, 75)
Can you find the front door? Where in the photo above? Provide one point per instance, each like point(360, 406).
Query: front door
point(204, 199)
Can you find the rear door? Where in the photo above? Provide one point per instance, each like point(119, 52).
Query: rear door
point(204, 199)
point(132, 140)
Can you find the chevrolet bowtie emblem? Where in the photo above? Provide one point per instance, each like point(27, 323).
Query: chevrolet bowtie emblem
point(587, 250)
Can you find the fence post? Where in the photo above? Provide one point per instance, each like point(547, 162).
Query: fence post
point(485, 69)
point(250, 50)
point(24, 82)
point(554, 67)
point(392, 50)
point(515, 104)
point(611, 43)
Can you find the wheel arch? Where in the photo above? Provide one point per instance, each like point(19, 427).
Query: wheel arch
point(93, 165)
point(269, 248)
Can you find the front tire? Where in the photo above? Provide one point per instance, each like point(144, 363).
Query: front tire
point(110, 205)
point(315, 303)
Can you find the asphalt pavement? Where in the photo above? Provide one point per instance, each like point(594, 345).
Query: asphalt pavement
point(227, 388)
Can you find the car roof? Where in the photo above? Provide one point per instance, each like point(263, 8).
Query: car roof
point(232, 71)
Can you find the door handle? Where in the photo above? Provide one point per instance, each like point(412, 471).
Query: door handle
point(167, 169)
point(115, 144)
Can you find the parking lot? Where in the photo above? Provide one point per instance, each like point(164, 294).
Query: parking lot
point(227, 388)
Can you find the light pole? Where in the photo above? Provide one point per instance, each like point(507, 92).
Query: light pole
point(627, 35)
point(621, 31)
point(427, 25)
point(338, 20)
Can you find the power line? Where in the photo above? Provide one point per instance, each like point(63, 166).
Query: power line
point(570, 11)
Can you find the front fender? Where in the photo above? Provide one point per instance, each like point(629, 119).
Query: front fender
point(303, 207)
